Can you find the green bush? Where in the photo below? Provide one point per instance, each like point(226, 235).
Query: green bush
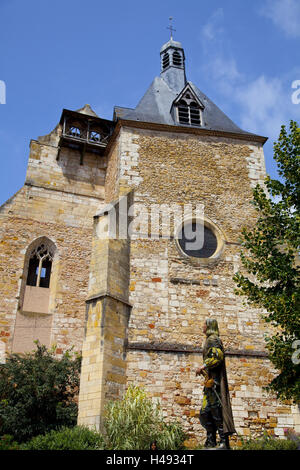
point(7, 443)
point(76, 438)
point(268, 443)
point(37, 393)
point(132, 423)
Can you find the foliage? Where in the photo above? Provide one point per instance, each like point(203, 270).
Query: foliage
point(292, 436)
point(132, 423)
point(37, 392)
point(268, 443)
point(269, 255)
point(7, 443)
point(76, 438)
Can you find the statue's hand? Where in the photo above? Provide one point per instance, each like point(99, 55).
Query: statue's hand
point(199, 370)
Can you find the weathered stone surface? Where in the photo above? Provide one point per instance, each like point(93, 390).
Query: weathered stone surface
point(106, 293)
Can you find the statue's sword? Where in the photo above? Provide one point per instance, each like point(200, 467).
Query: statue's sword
point(212, 385)
point(217, 395)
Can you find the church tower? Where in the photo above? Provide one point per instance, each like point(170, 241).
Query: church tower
point(181, 167)
point(125, 238)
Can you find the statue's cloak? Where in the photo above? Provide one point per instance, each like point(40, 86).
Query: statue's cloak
point(220, 371)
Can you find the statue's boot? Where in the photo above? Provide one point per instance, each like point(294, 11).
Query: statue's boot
point(224, 439)
point(218, 419)
point(208, 423)
point(211, 441)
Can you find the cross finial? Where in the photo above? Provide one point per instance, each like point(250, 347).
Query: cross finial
point(171, 27)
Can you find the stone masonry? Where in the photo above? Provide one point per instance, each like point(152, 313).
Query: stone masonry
point(171, 295)
point(133, 302)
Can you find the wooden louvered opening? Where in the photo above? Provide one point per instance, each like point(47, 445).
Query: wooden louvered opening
point(189, 113)
point(177, 61)
point(195, 114)
point(183, 112)
point(166, 61)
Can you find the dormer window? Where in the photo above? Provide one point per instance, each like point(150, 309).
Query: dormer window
point(189, 109)
point(195, 114)
point(177, 60)
point(165, 61)
point(189, 113)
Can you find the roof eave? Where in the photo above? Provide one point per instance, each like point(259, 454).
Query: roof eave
point(182, 130)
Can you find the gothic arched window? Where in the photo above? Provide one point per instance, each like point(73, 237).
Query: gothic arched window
point(37, 295)
point(39, 268)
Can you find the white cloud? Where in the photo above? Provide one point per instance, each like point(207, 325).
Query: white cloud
point(212, 28)
point(285, 14)
point(224, 68)
point(263, 103)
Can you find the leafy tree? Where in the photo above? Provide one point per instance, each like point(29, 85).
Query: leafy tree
point(37, 392)
point(270, 254)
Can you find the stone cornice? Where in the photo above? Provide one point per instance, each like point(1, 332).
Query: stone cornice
point(182, 130)
point(188, 349)
point(101, 295)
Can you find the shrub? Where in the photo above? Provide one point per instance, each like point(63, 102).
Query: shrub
point(293, 436)
point(268, 443)
point(76, 438)
point(7, 443)
point(132, 423)
point(37, 392)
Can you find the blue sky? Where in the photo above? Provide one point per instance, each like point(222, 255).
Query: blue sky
point(55, 54)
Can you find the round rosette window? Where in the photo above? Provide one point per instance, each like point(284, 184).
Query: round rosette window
point(200, 240)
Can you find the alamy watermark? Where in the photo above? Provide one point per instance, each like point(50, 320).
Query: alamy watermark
point(296, 94)
point(154, 221)
point(2, 92)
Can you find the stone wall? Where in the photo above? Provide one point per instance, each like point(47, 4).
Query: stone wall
point(95, 281)
point(170, 379)
point(172, 295)
point(57, 202)
point(103, 369)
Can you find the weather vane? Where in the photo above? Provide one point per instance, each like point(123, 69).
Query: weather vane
point(171, 27)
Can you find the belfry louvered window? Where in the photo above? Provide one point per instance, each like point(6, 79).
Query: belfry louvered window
point(165, 61)
point(189, 112)
point(177, 61)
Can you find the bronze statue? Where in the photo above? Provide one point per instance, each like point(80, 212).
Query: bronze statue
point(215, 413)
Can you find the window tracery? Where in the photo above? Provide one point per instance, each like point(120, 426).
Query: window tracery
point(39, 269)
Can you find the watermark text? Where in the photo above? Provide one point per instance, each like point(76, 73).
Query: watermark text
point(2, 92)
point(296, 93)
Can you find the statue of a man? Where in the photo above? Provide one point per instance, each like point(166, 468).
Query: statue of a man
point(215, 413)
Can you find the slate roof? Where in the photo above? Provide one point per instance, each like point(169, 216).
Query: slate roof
point(155, 106)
